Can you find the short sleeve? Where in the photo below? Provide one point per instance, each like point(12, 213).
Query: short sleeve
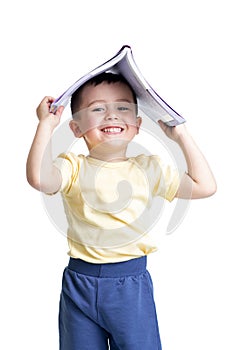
point(163, 179)
point(167, 179)
point(68, 166)
point(171, 181)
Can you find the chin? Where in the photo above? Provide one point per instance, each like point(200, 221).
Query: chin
point(117, 143)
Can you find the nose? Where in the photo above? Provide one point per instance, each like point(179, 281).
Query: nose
point(111, 114)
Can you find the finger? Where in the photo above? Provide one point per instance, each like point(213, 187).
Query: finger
point(59, 111)
point(162, 125)
point(47, 99)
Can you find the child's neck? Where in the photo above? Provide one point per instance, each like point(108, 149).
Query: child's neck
point(106, 157)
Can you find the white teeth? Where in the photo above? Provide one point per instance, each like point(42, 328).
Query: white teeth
point(112, 130)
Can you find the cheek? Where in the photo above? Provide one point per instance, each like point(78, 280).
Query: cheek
point(93, 135)
point(131, 120)
point(133, 130)
point(88, 126)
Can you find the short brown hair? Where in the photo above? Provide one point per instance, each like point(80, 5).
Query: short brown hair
point(98, 79)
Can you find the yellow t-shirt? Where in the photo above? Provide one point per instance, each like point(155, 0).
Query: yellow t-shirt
point(111, 206)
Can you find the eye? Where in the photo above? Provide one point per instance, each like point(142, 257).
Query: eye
point(98, 109)
point(123, 108)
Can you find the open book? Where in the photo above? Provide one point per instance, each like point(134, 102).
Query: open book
point(149, 102)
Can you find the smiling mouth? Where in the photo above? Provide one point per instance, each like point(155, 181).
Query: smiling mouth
point(112, 130)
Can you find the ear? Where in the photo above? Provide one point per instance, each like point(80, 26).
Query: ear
point(138, 123)
point(75, 128)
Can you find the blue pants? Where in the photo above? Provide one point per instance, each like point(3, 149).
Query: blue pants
point(106, 306)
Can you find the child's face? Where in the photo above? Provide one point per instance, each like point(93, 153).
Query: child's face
point(107, 115)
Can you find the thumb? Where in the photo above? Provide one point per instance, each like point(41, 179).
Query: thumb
point(59, 111)
point(162, 125)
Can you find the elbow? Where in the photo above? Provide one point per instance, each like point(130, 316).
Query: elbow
point(213, 189)
point(34, 182)
point(209, 190)
point(33, 179)
point(48, 185)
point(33, 176)
point(200, 191)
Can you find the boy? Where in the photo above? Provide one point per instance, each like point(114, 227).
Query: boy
point(107, 293)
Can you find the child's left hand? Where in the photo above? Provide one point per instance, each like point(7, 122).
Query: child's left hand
point(173, 132)
point(198, 180)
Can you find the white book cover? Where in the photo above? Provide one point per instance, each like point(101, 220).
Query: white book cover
point(148, 100)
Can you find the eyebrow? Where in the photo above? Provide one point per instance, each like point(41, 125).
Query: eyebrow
point(104, 101)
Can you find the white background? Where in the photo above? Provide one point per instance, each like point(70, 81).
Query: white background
point(184, 49)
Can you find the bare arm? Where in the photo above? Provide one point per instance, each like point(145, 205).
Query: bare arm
point(41, 173)
point(199, 181)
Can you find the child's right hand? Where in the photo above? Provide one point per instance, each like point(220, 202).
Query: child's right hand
point(44, 114)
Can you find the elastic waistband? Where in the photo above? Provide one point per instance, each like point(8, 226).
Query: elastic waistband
point(121, 269)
